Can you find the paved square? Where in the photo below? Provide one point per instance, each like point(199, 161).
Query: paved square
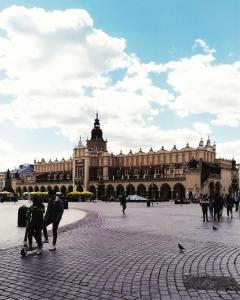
point(108, 255)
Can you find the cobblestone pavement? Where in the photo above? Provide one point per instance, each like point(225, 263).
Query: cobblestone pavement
point(110, 256)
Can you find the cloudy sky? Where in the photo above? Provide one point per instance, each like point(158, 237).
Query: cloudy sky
point(158, 72)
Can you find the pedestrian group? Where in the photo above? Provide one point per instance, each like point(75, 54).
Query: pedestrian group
point(37, 222)
point(215, 205)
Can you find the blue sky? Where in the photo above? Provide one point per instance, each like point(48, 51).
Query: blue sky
point(200, 38)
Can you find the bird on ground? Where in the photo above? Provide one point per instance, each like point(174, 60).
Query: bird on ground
point(214, 228)
point(181, 248)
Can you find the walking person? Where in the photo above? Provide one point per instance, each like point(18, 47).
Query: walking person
point(204, 202)
point(53, 216)
point(229, 204)
point(123, 202)
point(237, 200)
point(217, 206)
point(35, 223)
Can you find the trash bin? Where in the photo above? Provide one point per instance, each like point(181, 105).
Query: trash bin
point(148, 203)
point(65, 204)
point(22, 216)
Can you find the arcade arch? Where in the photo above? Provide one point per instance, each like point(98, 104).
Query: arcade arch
point(42, 189)
point(178, 191)
point(36, 189)
point(63, 190)
point(79, 188)
point(153, 192)
point(56, 188)
point(165, 192)
point(130, 190)
point(101, 192)
point(70, 188)
point(141, 190)
point(110, 191)
point(120, 190)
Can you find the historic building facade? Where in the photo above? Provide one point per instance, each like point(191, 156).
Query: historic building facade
point(161, 174)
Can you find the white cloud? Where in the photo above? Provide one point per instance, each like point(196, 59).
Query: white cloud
point(229, 150)
point(53, 58)
point(201, 43)
point(14, 159)
point(58, 71)
point(202, 128)
point(204, 86)
point(6, 148)
point(230, 119)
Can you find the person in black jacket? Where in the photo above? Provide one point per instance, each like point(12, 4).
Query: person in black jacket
point(217, 205)
point(229, 202)
point(35, 223)
point(123, 202)
point(53, 216)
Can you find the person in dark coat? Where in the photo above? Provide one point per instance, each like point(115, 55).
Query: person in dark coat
point(217, 206)
point(123, 202)
point(237, 200)
point(53, 216)
point(229, 203)
point(35, 223)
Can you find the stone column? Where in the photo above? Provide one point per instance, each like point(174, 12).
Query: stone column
point(105, 173)
point(73, 173)
point(86, 174)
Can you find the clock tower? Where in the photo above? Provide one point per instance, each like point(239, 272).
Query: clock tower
point(97, 143)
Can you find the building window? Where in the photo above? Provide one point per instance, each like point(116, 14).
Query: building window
point(99, 173)
point(126, 172)
point(136, 172)
point(79, 170)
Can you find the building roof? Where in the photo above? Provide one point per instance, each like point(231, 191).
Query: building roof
point(25, 169)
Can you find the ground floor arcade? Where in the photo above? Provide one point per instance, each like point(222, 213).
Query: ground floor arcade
point(152, 190)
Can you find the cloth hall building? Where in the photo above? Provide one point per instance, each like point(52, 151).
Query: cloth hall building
point(162, 174)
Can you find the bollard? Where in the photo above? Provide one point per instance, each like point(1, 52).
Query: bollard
point(65, 204)
point(22, 216)
point(148, 203)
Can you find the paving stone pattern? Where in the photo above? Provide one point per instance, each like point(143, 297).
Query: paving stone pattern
point(110, 256)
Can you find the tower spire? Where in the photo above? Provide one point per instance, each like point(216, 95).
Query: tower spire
point(97, 142)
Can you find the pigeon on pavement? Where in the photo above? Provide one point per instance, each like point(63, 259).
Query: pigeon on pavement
point(181, 248)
